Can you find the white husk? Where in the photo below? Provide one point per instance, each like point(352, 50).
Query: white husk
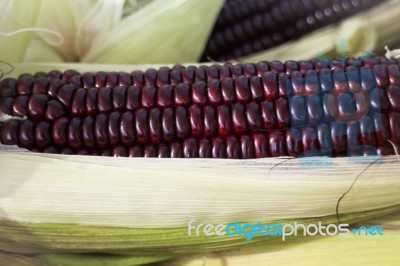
point(151, 193)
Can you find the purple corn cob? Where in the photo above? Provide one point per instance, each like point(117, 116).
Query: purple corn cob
point(332, 108)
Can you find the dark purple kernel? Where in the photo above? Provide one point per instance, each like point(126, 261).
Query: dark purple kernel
point(112, 79)
point(182, 94)
point(54, 110)
point(43, 134)
point(125, 80)
point(155, 126)
point(78, 102)
point(196, 120)
point(76, 81)
point(150, 77)
point(6, 105)
point(114, 128)
point(214, 92)
point(37, 105)
point(277, 144)
point(24, 85)
point(210, 121)
point(100, 131)
point(59, 132)
point(65, 94)
point(135, 151)
point(119, 98)
point(239, 119)
point(127, 129)
point(294, 142)
point(149, 96)
point(242, 87)
point(168, 124)
point(88, 136)
point(100, 79)
point(268, 114)
point(68, 74)
point(54, 87)
point(74, 133)
point(190, 148)
point(142, 126)
point(9, 132)
point(133, 100)
point(219, 148)
point(199, 93)
point(261, 145)
point(91, 100)
point(163, 77)
point(205, 148)
point(163, 151)
point(165, 96)
point(8, 88)
point(119, 151)
point(176, 150)
point(247, 146)
point(104, 100)
point(27, 134)
point(225, 126)
point(233, 148)
point(88, 80)
point(182, 122)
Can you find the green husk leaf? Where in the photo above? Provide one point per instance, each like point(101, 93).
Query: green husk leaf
point(19, 260)
point(36, 238)
point(100, 259)
point(161, 32)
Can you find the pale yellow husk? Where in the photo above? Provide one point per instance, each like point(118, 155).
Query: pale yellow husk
point(154, 193)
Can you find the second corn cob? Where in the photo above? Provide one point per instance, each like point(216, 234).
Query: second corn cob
point(247, 27)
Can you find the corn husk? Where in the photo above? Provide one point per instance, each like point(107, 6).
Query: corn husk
point(352, 250)
point(64, 204)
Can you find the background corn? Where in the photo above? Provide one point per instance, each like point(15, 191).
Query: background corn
point(247, 27)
